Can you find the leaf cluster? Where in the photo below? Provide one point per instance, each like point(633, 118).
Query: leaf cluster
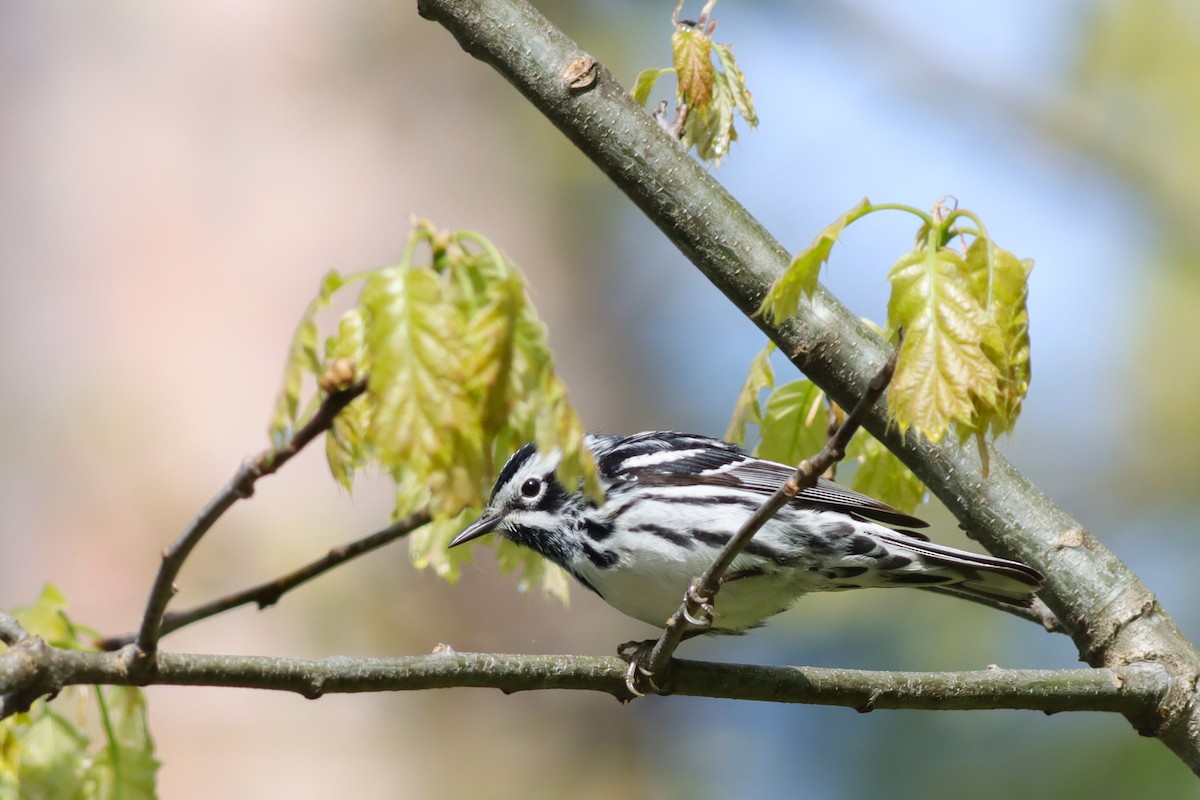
point(94, 746)
point(792, 425)
point(459, 375)
point(708, 96)
point(964, 354)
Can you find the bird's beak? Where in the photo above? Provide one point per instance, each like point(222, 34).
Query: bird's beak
point(480, 527)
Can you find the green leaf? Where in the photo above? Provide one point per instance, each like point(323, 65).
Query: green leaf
point(800, 278)
point(559, 428)
point(459, 376)
point(532, 570)
point(747, 409)
point(711, 131)
point(416, 382)
point(345, 442)
point(883, 476)
point(491, 340)
point(53, 754)
point(427, 546)
point(49, 752)
point(645, 84)
point(793, 427)
point(942, 371)
point(301, 361)
point(692, 52)
point(46, 617)
point(742, 98)
point(1000, 283)
point(125, 769)
point(330, 283)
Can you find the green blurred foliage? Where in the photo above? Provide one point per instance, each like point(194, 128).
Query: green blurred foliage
point(1133, 107)
point(92, 743)
point(792, 424)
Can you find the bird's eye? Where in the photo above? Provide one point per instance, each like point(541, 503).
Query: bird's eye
point(531, 487)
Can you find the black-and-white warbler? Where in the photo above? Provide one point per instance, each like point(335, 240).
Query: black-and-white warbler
point(674, 499)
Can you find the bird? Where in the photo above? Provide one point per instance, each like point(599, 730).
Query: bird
point(673, 500)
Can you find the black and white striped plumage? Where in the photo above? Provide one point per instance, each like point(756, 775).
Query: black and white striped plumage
point(674, 499)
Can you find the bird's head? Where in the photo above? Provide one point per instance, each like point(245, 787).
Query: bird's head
point(527, 502)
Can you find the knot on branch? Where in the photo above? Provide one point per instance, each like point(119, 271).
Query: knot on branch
point(24, 675)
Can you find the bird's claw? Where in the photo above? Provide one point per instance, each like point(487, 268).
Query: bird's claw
point(703, 604)
point(638, 674)
point(639, 681)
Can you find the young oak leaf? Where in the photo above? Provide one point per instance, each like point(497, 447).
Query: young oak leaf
point(422, 413)
point(51, 750)
point(790, 432)
point(345, 442)
point(460, 376)
point(490, 338)
point(559, 428)
point(644, 85)
point(881, 475)
point(1000, 283)
point(692, 52)
point(746, 409)
point(302, 360)
point(427, 546)
point(743, 100)
point(942, 371)
point(533, 569)
point(800, 278)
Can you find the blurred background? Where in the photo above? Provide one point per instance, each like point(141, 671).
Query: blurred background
point(175, 178)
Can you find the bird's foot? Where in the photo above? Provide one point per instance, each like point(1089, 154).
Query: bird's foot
point(702, 605)
point(639, 680)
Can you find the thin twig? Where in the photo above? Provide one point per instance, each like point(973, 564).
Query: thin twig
point(239, 487)
point(697, 602)
point(267, 594)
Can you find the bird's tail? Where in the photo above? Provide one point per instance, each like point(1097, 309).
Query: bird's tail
point(968, 573)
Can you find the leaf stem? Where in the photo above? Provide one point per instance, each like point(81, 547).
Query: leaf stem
point(924, 216)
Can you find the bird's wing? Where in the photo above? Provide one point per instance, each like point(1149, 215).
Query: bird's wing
point(676, 458)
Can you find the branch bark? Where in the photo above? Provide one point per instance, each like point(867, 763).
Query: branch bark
point(32, 668)
point(1111, 616)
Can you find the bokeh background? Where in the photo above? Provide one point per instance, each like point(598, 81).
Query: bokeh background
point(176, 177)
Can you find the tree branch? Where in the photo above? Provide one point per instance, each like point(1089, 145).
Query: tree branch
point(1110, 615)
point(267, 594)
point(32, 668)
point(238, 487)
point(11, 631)
point(697, 601)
